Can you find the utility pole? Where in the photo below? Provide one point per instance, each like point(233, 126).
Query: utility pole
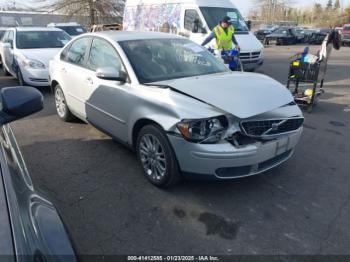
point(93, 12)
point(273, 11)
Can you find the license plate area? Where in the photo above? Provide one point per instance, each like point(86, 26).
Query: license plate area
point(282, 146)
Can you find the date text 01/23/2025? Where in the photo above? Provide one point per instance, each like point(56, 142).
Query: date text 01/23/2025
point(173, 258)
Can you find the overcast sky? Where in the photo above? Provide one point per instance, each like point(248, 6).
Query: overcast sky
point(243, 5)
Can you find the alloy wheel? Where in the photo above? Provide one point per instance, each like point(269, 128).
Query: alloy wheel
point(152, 156)
point(61, 106)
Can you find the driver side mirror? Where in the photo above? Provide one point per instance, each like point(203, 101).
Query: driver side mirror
point(18, 102)
point(112, 74)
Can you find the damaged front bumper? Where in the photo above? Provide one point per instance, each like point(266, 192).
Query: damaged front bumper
point(226, 161)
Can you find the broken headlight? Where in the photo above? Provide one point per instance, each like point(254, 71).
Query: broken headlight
point(203, 130)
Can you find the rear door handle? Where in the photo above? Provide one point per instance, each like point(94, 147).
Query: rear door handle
point(64, 70)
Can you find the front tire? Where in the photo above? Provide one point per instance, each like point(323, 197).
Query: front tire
point(61, 105)
point(157, 157)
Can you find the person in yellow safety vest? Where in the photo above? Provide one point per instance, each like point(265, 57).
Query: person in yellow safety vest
point(224, 33)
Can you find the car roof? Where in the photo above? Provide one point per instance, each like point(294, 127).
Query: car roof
point(63, 24)
point(134, 35)
point(28, 29)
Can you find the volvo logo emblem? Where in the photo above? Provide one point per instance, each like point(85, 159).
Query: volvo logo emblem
point(275, 126)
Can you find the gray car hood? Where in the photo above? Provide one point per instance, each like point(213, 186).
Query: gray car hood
point(242, 94)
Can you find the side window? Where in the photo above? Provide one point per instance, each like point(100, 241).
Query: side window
point(192, 20)
point(103, 54)
point(77, 51)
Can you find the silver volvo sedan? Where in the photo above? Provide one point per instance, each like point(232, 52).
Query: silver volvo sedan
point(179, 107)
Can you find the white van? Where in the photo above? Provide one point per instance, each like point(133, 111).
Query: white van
point(194, 19)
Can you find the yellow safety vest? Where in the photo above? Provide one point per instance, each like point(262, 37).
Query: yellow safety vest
point(223, 39)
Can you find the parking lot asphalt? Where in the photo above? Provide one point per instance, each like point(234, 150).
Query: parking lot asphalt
point(300, 208)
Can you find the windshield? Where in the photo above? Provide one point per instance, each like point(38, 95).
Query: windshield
point(282, 31)
point(213, 15)
point(73, 30)
point(41, 39)
point(299, 30)
point(165, 59)
point(346, 28)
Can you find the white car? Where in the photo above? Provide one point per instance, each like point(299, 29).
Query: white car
point(2, 32)
point(26, 52)
point(178, 106)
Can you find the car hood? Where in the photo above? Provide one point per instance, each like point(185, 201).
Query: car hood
point(42, 55)
point(243, 95)
point(248, 42)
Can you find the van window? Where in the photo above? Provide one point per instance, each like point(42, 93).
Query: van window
point(2, 33)
point(4, 38)
point(213, 15)
point(192, 19)
point(10, 37)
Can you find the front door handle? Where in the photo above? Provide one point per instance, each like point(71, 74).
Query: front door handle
point(89, 81)
point(64, 70)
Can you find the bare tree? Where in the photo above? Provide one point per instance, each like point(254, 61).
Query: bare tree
point(272, 11)
point(90, 8)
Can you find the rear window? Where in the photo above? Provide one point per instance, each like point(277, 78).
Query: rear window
point(73, 30)
point(41, 39)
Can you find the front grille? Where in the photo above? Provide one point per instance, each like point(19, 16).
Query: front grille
point(245, 62)
point(249, 56)
point(38, 80)
point(261, 128)
point(241, 171)
point(231, 172)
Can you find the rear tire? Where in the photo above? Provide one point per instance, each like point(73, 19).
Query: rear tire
point(62, 109)
point(157, 158)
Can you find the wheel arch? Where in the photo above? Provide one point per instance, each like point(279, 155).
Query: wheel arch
point(139, 124)
point(53, 84)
